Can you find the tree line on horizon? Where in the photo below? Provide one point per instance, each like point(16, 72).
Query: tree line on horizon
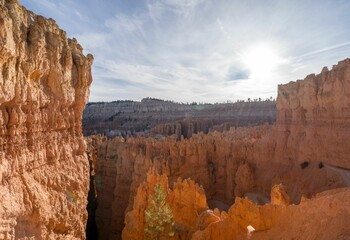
point(150, 100)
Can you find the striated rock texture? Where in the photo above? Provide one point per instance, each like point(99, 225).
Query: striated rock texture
point(112, 180)
point(297, 151)
point(44, 171)
point(158, 117)
point(211, 160)
point(279, 195)
point(313, 118)
point(311, 132)
point(325, 216)
point(187, 201)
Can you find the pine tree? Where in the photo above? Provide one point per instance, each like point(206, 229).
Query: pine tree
point(159, 217)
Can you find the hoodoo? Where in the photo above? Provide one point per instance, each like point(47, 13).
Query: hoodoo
point(306, 150)
point(260, 169)
point(44, 86)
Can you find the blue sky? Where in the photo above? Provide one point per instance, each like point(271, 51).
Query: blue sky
point(201, 50)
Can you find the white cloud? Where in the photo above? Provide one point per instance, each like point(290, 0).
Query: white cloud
point(122, 23)
point(48, 4)
point(191, 50)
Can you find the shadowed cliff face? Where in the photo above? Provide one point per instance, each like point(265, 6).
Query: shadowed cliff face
point(44, 171)
point(151, 118)
point(312, 115)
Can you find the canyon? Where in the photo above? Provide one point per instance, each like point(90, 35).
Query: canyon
point(44, 86)
point(245, 219)
point(246, 170)
point(305, 150)
point(157, 118)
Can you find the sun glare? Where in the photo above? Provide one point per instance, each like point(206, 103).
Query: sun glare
point(261, 61)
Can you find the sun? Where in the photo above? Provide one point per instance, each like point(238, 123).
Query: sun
point(261, 60)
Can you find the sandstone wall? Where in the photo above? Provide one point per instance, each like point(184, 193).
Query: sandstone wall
point(211, 160)
point(325, 216)
point(311, 132)
point(313, 117)
point(187, 201)
point(44, 171)
point(298, 151)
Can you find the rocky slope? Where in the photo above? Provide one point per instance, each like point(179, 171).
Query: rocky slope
point(158, 117)
point(44, 171)
point(211, 160)
point(325, 216)
point(298, 151)
point(187, 200)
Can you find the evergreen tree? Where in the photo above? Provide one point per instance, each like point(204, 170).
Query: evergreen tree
point(159, 217)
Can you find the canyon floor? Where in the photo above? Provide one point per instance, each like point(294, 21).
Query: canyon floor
point(247, 170)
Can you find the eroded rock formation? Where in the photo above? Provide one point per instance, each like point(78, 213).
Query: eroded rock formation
point(313, 118)
point(158, 117)
point(325, 216)
point(311, 132)
point(279, 195)
point(211, 160)
point(187, 201)
point(44, 171)
point(297, 151)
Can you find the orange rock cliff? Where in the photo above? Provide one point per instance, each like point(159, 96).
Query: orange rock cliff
point(44, 170)
point(186, 199)
point(285, 181)
point(306, 150)
point(245, 219)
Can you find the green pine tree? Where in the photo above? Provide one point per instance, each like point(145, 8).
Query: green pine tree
point(159, 217)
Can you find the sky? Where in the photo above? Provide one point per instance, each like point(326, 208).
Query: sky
point(201, 50)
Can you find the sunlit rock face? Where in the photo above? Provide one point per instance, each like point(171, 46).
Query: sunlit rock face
point(311, 133)
point(243, 161)
point(212, 160)
point(187, 201)
point(325, 216)
point(44, 85)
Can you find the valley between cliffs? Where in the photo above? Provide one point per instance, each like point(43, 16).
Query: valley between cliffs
point(305, 149)
point(284, 179)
